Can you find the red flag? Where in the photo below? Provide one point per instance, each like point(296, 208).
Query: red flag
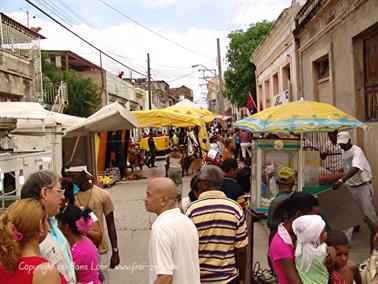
point(251, 105)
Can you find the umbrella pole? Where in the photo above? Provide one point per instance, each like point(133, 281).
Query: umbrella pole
point(75, 147)
point(300, 164)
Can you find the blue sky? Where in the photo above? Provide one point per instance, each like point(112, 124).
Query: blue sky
point(195, 24)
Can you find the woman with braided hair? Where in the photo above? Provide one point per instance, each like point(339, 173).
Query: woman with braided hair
point(22, 228)
point(74, 223)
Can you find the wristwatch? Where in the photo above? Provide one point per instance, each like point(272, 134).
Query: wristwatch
point(340, 180)
point(115, 250)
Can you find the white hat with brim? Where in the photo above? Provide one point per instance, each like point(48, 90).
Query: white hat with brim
point(343, 137)
point(78, 169)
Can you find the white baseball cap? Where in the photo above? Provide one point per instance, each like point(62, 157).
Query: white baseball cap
point(343, 137)
point(78, 169)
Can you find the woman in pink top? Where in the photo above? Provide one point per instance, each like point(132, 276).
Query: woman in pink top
point(74, 222)
point(22, 228)
point(281, 250)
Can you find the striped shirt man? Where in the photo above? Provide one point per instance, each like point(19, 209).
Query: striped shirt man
point(222, 229)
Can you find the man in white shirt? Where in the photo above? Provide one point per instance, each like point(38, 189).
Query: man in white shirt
point(173, 246)
point(357, 176)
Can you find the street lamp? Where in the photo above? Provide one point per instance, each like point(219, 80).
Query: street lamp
point(213, 71)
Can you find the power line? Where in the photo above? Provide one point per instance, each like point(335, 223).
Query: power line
point(74, 13)
point(245, 10)
point(57, 11)
point(87, 42)
point(172, 67)
point(152, 31)
point(232, 15)
point(182, 77)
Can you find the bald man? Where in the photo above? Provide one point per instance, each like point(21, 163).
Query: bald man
point(173, 247)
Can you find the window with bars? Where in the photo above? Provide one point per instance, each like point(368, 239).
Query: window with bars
point(371, 76)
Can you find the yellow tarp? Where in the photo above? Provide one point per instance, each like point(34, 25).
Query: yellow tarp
point(204, 114)
point(162, 143)
point(160, 118)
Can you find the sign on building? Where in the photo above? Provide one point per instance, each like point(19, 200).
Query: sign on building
point(281, 98)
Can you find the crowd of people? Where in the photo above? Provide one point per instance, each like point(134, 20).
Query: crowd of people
point(55, 233)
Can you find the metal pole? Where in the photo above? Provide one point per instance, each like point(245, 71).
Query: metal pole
point(149, 82)
point(220, 80)
point(300, 165)
point(27, 17)
point(103, 89)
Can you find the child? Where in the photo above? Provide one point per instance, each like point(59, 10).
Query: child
point(344, 270)
point(281, 249)
point(311, 251)
point(74, 222)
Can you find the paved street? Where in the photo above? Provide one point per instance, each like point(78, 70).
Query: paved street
point(133, 227)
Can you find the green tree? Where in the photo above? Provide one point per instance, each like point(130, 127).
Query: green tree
point(83, 95)
point(240, 74)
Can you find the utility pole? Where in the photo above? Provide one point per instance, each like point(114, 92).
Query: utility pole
point(149, 82)
point(103, 88)
point(220, 81)
point(27, 17)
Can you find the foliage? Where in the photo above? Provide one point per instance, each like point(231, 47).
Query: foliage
point(240, 74)
point(83, 95)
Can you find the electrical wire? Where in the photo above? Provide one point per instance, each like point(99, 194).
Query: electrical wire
point(232, 14)
point(182, 77)
point(243, 15)
point(74, 13)
point(81, 38)
point(151, 30)
point(50, 5)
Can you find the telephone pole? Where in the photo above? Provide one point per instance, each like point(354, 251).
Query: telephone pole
point(149, 81)
point(220, 81)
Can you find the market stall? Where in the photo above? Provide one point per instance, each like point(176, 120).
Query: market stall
point(160, 118)
point(30, 140)
point(113, 117)
point(294, 120)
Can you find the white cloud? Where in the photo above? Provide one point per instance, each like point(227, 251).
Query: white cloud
point(130, 44)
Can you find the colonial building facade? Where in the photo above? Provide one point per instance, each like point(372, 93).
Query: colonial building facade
point(337, 44)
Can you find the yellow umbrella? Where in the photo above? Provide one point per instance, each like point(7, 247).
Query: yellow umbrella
point(298, 117)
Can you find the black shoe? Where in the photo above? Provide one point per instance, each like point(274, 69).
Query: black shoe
point(356, 229)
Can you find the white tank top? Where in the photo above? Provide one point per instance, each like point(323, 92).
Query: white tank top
point(174, 162)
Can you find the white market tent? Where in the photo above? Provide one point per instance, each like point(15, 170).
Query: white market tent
point(109, 118)
point(33, 115)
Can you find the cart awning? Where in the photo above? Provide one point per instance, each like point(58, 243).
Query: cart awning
point(109, 118)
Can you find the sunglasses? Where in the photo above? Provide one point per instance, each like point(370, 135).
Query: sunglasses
point(57, 189)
